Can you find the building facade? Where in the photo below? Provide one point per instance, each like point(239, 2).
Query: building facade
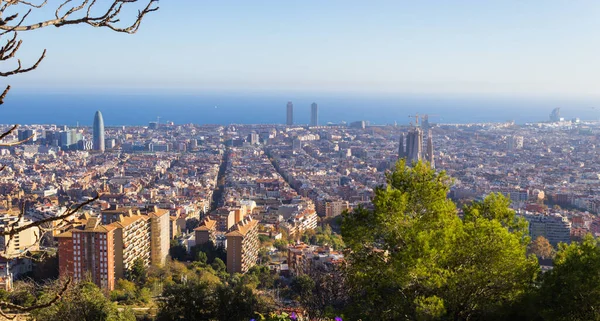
point(242, 246)
point(206, 232)
point(105, 248)
point(555, 228)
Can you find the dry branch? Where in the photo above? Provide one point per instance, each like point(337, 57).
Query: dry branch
point(15, 230)
point(107, 19)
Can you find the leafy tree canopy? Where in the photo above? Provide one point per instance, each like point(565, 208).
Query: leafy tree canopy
point(412, 257)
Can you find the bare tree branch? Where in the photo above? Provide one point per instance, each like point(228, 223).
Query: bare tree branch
point(20, 70)
point(8, 132)
point(15, 230)
point(107, 19)
point(4, 93)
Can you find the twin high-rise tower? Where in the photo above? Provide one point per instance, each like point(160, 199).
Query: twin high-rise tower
point(290, 114)
point(314, 114)
point(413, 150)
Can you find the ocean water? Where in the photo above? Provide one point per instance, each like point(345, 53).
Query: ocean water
point(139, 108)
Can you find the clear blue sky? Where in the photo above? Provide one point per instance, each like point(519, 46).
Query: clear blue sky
point(542, 47)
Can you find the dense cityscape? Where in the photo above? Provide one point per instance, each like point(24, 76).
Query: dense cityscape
point(433, 162)
point(244, 188)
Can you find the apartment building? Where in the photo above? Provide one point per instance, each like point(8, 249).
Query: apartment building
point(555, 227)
point(242, 246)
point(206, 232)
point(132, 241)
point(225, 219)
point(105, 252)
point(160, 230)
point(88, 251)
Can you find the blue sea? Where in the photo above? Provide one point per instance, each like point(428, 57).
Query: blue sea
point(139, 108)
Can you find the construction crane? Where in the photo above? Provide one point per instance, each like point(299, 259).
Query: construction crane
point(416, 117)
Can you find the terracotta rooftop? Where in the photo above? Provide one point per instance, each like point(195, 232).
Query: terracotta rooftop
point(207, 225)
point(242, 228)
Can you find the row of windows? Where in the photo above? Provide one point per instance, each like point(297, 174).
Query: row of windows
point(78, 236)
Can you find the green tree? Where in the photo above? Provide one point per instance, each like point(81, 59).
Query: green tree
point(488, 270)
point(201, 257)
point(412, 257)
point(236, 302)
point(263, 276)
point(178, 251)
point(125, 291)
point(138, 273)
point(219, 266)
point(191, 301)
point(281, 245)
point(45, 267)
point(497, 207)
point(83, 301)
point(302, 285)
point(212, 252)
point(571, 290)
point(191, 224)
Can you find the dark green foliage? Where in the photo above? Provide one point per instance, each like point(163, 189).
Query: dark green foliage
point(201, 257)
point(302, 285)
point(191, 301)
point(191, 224)
point(237, 302)
point(263, 238)
point(23, 295)
point(571, 291)
point(198, 300)
point(212, 252)
point(138, 272)
point(261, 276)
point(45, 267)
point(178, 252)
point(218, 265)
point(83, 301)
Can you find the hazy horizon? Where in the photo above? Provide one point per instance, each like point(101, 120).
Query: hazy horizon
point(139, 108)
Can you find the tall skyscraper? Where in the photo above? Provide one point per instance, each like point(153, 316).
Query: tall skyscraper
point(314, 114)
point(290, 114)
point(98, 132)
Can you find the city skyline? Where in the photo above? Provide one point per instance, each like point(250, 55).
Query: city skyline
point(432, 155)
